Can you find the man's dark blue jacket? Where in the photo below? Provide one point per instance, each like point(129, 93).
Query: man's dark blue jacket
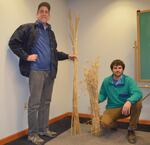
point(23, 40)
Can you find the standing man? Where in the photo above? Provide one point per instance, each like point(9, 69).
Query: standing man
point(123, 99)
point(35, 45)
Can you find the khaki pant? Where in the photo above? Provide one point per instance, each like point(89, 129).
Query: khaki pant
point(110, 116)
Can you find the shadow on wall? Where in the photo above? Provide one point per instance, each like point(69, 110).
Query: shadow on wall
point(16, 90)
point(12, 70)
point(12, 64)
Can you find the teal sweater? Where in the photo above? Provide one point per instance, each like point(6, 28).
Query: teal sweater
point(118, 94)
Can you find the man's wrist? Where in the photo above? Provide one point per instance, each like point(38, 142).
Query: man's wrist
point(128, 102)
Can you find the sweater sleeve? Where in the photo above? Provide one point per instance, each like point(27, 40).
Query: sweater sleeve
point(135, 92)
point(102, 94)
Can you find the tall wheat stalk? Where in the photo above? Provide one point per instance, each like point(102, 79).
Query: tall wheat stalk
point(75, 124)
point(91, 78)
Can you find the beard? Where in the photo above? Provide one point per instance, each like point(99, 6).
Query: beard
point(118, 74)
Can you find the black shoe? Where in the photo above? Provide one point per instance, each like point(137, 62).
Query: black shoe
point(131, 136)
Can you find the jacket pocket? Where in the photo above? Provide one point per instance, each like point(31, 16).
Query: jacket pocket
point(124, 95)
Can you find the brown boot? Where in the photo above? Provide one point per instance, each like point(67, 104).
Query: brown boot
point(131, 136)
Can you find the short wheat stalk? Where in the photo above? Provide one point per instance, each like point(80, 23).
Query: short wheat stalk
point(91, 78)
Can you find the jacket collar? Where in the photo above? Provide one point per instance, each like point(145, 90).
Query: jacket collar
point(120, 82)
point(40, 24)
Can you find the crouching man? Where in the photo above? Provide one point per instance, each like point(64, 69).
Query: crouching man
point(123, 99)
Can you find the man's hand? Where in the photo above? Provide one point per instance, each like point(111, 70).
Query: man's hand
point(72, 56)
point(126, 108)
point(32, 57)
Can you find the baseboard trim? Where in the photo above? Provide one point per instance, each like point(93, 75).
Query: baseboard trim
point(13, 137)
point(53, 120)
point(141, 122)
point(125, 120)
point(24, 132)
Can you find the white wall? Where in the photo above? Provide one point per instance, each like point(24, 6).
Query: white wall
point(108, 29)
point(14, 87)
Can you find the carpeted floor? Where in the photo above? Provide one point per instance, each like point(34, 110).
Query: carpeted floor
point(62, 128)
point(110, 138)
point(59, 126)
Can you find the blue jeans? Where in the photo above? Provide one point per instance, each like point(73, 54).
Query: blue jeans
point(41, 87)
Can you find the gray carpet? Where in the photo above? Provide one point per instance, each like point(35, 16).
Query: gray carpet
point(110, 138)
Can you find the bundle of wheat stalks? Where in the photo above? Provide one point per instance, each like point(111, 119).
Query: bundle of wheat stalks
point(75, 124)
point(91, 79)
